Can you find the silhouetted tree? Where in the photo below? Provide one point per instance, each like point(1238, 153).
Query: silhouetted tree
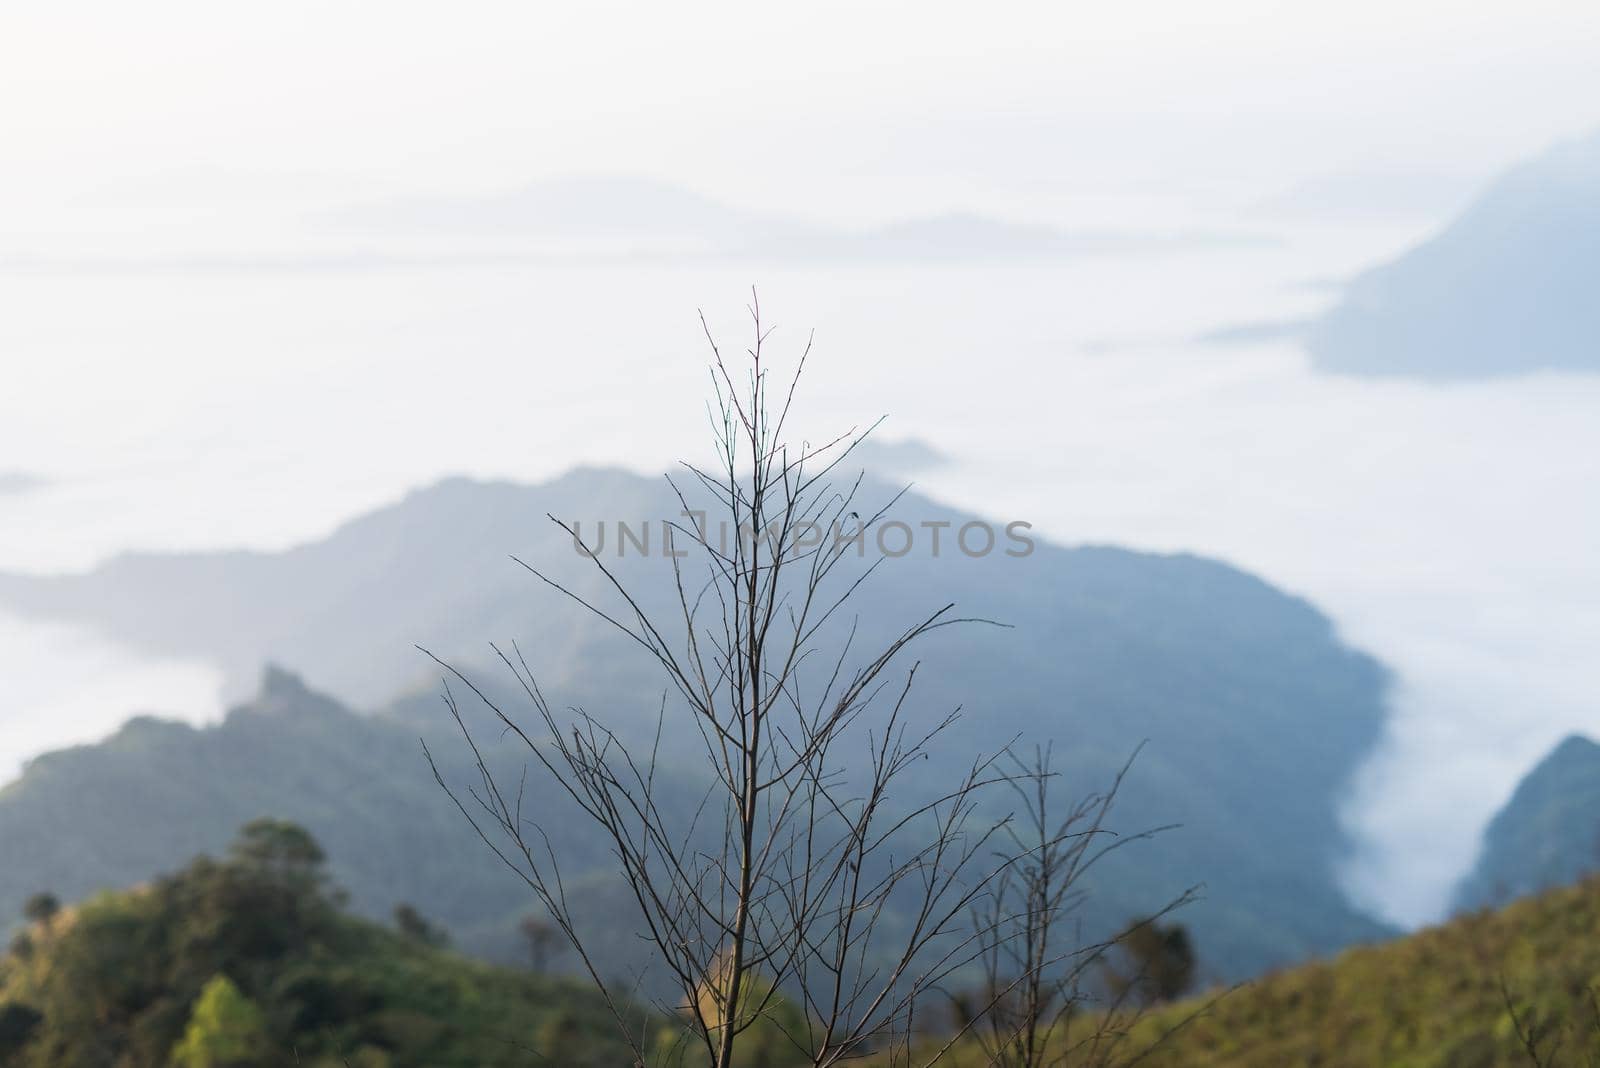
point(543, 940)
point(1036, 964)
point(279, 847)
point(22, 946)
point(17, 1025)
point(1154, 962)
point(41, 909)
point(415, 925)
point(273, 886)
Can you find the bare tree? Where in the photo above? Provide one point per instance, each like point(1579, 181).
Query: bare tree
point(1541, 1040)
point(1038, 1005)
point(543, 941)
point(808, 870)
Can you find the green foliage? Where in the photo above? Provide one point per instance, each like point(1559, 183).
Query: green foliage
point(1151, 963)
point(147, 799)
point(227, 1030)
point(249, 961)
point(17, 1026)
point(22, 945)
point(560, 1040)
point(771, 1027)
point(279, 849)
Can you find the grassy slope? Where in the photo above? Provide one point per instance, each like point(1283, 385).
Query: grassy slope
point(1434, 998)
point(1430, 1000)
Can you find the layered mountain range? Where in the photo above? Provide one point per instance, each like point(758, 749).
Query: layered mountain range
point(1252, 714)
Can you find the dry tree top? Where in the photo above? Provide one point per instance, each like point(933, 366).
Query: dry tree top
point(804, 875)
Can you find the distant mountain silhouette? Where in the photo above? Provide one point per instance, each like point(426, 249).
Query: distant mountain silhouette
point(1263, 332)
point(967, 237)
point(1256, 715)
point(1366, 194)
point(20, 482)
point(1507, 288)
point(601, 207)
point(899, 458)
point(1547, 835)
point(613, 215)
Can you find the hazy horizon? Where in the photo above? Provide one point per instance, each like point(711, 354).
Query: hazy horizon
point(238, 317)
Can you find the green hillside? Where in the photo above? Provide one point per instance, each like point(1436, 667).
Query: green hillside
point(1437, 999)
point(248, 961)
point(1441, 998)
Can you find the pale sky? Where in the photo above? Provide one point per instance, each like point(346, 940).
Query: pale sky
point(183, 122)
point(149, 402)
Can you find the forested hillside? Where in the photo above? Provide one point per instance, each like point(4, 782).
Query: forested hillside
point(1546, 835)
point(158, 793)
point(248, 961)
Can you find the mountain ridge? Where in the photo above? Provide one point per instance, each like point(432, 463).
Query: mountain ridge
point(615, 214)
point(1504, 289)
point(1255, 712)
point(1546, 835)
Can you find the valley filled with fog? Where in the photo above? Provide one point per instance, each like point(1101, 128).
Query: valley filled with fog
point(1106, 394)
